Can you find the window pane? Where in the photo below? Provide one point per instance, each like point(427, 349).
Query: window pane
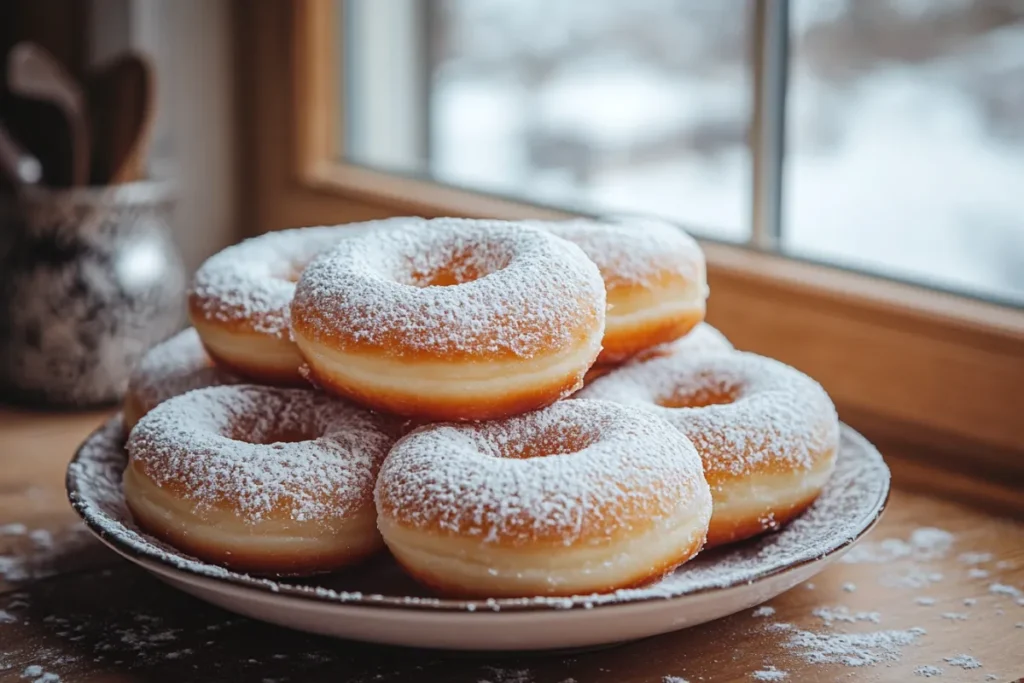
point(599, 105)
point(906, 140)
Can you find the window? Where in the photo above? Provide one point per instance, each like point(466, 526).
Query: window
point(575, 104)
point(903, 119)
point(905, 133)
point(370, 108)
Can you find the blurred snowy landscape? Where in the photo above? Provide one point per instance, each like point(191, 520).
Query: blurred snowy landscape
point(905, 130)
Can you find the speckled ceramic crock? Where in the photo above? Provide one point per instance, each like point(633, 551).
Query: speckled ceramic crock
point(89, 279)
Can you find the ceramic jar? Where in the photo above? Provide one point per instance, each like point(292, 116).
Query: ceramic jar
point(89, 279)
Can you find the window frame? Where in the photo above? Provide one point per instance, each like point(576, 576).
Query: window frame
point(933, 374)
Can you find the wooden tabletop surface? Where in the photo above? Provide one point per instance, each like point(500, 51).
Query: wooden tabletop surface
point(71, 611)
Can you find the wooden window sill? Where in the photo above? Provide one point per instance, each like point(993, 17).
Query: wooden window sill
point(80, 612)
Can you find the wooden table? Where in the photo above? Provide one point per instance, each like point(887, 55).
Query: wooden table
point(72, 611)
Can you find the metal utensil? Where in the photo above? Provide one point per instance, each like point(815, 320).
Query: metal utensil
point(33, 73)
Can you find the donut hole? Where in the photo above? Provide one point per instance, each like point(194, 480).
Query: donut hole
point(294, 271)
point(459, 265)
point(253, 431)
point(705, 390)
point(562, 439)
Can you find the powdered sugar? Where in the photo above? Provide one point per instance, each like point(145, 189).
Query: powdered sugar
point(1003, 589)
point(634, 252)
point(914, 577)
point(627, 469)
point(842, 613)
point(963, 661)
point(769, 673)
point(927, 671)
point(851, 649)
point(849, 504)
point(172, 368)
point(192, 443)
point(764, 611)
point(254, 280)
point(925, 544)
point(500, 675)
point(765, 412)
point(42, 554)
point(517, 291)
point(701, 339)
point(36, 674)
point(974, 558)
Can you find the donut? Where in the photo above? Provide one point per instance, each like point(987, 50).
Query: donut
point(238, 300)
point(454, 319)
point(577, 498)
point(655, 277)
point(766, 432)
point(169, 369)
point(264, 480)
point(701, 339)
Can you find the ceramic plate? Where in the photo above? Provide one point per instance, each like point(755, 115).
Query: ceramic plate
point(376, 602)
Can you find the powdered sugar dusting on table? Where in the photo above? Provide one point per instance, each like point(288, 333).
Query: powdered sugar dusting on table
point(255, 279)
point(851, 649)
point(518, 291)
point(633, 252)
point(928, 671)
point(850, 502)
point(842, 613)
point(190, 442)
point(769, 673)
point(175, 367)
point(964, 661)
point(473, 480)
point(777, 414)
point(924, 544)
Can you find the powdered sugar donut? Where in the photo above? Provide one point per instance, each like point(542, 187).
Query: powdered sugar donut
point(701, 339)
point(655, 277)
point(239, 299)
point(767, 433)
point(452, 320)
point(170, 369)
point(580, 497)
point(263, 480)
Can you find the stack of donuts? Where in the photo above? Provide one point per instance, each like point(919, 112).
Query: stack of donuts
point(509, 408)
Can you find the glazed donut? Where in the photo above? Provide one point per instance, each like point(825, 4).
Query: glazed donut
point(169, 369)
point(456, 319)
point(263, 480)
point(239, 298)
point(767, 433)
point(580, 497)
point(701, 339)
point(655, 277)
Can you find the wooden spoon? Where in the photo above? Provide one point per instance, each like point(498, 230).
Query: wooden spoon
point(20, 166)
point(121, 103)
point(34, 73)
